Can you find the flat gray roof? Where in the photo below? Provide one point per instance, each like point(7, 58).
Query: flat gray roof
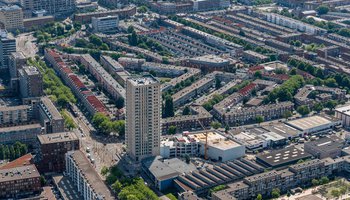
point(326, 143)
point(50, 108)
point(307, 123)
point(282, 129)
point(344, 110)
point(20, 128)
point(18, 173)
point(167, 168)
point(284, 156)
point(91, 175)
point(143, 81)
point(57, 137)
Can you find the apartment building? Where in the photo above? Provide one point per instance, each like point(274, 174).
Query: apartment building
point(11, 17)
point(49, 117)
point(111, 3)
point(110, 64)
point(235, 116)
point(143, 114)
point(85, 178)
point(53, 148)
point(30, 82)
point(312, 5)
point(88, 99)
point(131, 63)
point(254, 57)
point(105, 24)
point(16, 61)
point(192, 91)
point(35, 23)
point(122, 13)
point(15, 114)
point(293, 24)
point(199, 117)
point(164, 70)
point(18, 182)
point(115, 69)
point(7, 46)
point(204, 5)
point(107, 82)
point(209, 62)
point(26, 133)
point(191, 73)
point(59, 8)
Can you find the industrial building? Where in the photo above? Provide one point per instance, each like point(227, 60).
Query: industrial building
point(343, 113)
point(314, 124)
point(282, 158)
point(325, 147)
point(220, 148)
point(164, 171)
point(203, 179)
point(285, 179)
point(257, 138)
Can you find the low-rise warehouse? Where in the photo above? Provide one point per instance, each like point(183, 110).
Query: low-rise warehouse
point(314, 124)
point(163, 171)
point(281, 158)
point(325, 147)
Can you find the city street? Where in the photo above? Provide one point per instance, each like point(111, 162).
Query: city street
point(103, 149)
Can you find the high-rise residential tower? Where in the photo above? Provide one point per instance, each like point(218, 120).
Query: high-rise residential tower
point(143, 114)
point(7, 46)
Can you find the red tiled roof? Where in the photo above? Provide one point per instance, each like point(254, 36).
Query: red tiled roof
point(19, 162)
point(247, 89)
point(256, 68)
point(97, 104)
point(220, 19)
point(77, 81)
point(305, 74)
point(54, 54)
point(67, 70)
point(86, 93)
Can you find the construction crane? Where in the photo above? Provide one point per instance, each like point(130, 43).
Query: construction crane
point(206, 140)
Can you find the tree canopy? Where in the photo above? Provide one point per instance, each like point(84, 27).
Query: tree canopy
point(105, 125)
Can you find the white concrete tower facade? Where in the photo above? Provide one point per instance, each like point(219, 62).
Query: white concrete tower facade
point(143, 115)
